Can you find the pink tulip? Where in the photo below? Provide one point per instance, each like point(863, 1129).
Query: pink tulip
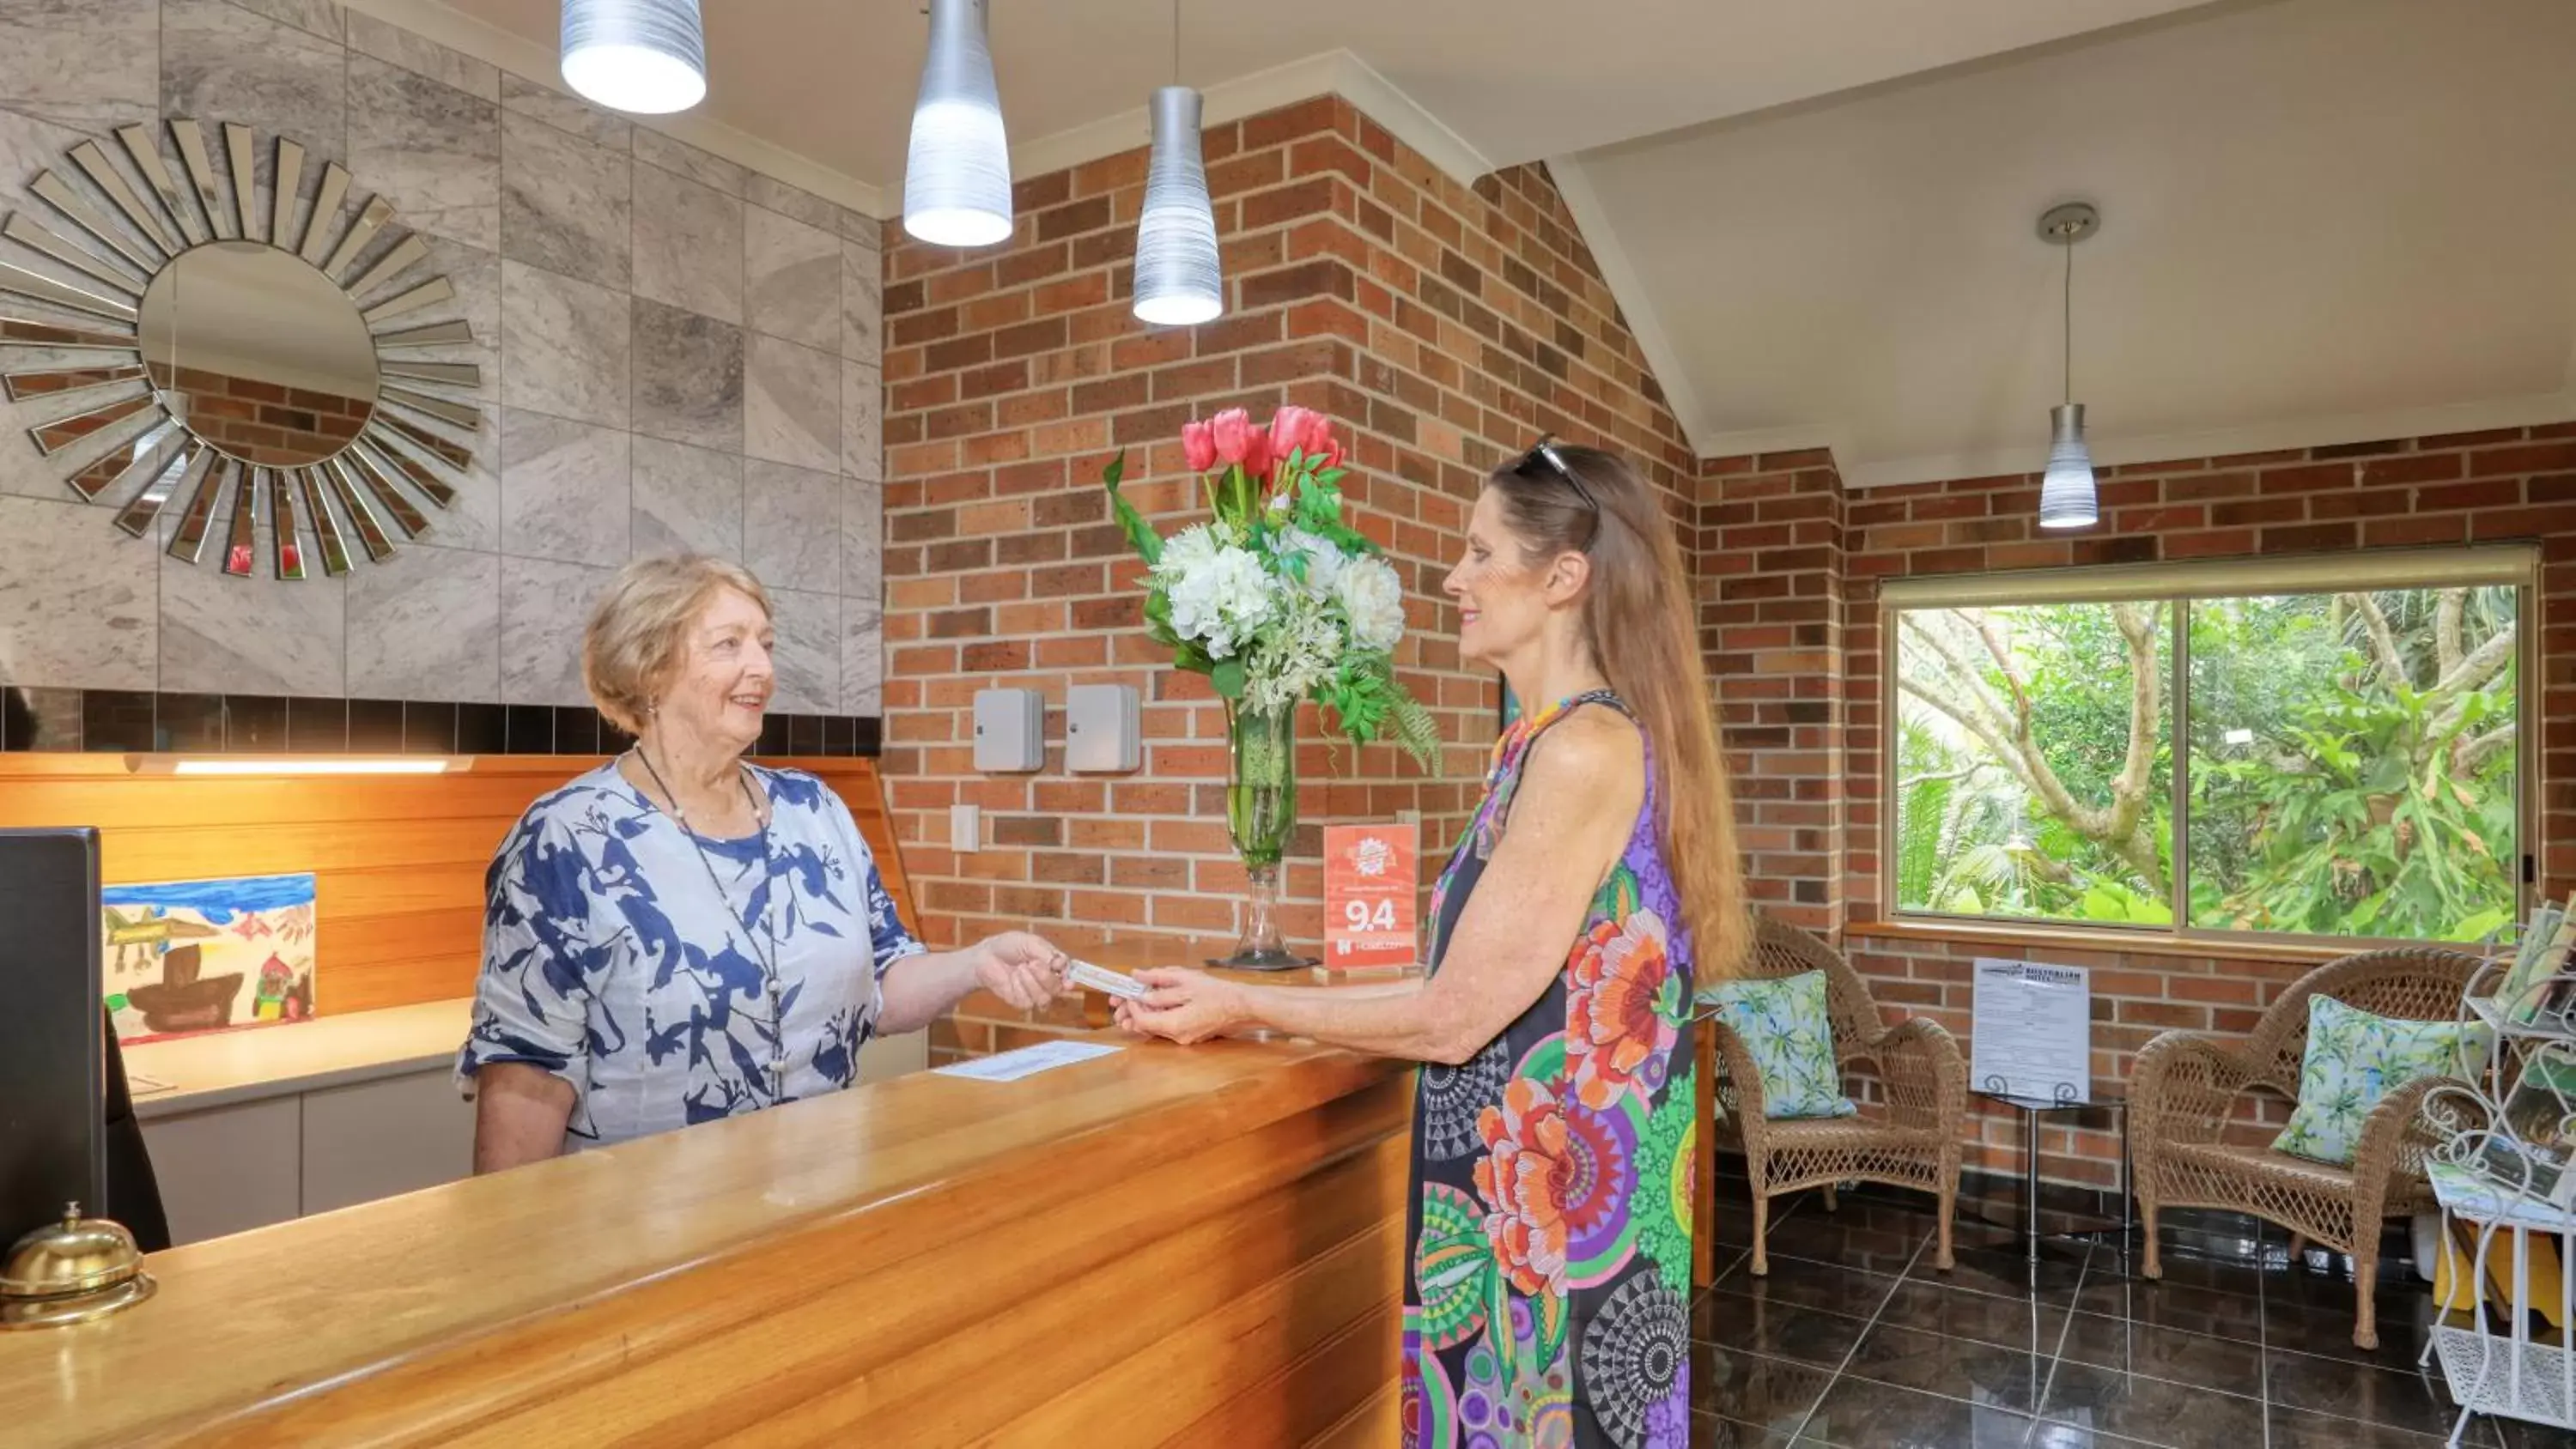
point(1257, 453)
point(1232, 432)
point(1288, 429)
point(1198, 446)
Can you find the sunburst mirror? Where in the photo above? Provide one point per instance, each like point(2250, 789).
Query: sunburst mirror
point(263, 366)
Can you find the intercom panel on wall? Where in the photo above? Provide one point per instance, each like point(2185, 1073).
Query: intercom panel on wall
point(1100, 729)
point(1010, 730)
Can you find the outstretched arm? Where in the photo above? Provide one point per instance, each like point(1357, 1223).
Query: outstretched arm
point(1578, 800)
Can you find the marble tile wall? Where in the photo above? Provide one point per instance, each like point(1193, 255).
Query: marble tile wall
point(679, 353)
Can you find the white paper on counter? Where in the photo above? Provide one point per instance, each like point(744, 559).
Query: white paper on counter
point(1028, 1061)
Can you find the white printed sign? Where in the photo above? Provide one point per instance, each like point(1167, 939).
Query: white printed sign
point(2033, 1031)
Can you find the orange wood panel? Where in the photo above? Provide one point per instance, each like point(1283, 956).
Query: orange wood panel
point(924, 1261)
point(398, 859)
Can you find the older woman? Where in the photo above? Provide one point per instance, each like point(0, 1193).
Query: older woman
point(1548, 1274)
point(678, 935)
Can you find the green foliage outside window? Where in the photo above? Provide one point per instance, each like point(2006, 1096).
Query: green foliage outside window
point(2352, 762)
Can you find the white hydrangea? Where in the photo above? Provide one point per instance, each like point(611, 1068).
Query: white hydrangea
point(1372, 597)
point(1324, 559)
point(1219, 599)
point(1187, 551)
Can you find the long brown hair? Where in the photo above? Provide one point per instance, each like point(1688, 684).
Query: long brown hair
point(1639, 620)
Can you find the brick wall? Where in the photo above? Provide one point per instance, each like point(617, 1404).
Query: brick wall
point(1440, 325)
point(1812, 815)
point(267, 422)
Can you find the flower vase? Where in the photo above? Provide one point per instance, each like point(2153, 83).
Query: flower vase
point(1260, 815)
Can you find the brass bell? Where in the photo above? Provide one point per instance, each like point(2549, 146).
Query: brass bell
point(71, 1272)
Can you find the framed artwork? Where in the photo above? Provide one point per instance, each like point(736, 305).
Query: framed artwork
point(207, 955)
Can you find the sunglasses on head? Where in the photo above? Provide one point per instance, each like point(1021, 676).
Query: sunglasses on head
point(1543, 459)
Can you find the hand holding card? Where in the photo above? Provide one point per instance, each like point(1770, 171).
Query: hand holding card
point(1107, 982)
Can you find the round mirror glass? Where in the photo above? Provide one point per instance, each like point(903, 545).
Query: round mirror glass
point(262, 357)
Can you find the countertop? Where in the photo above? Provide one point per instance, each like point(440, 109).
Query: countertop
point(218, 1069)
point(605, 1291)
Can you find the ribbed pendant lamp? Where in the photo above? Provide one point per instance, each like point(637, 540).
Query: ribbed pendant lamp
point(2066, 498)
point(957, 172)
point(644, 56)
point(1179, 282)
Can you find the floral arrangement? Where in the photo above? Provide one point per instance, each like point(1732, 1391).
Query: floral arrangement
point(1275, 598)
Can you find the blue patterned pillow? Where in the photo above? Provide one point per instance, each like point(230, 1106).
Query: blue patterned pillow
point(2353, 1059)
point(1784, 1025)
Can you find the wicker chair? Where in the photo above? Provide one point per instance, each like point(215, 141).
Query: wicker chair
point(2185, 1091)
point(1911, 1141)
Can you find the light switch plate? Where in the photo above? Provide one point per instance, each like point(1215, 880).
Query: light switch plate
point(966, 828)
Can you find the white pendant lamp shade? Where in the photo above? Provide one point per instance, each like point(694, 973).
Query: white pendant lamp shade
point(957, 172)
point(2066, 492)
point(648, 57)
point(1178, 283)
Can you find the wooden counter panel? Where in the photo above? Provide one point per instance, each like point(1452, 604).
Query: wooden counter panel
point(878, 1259)
point(398, 859)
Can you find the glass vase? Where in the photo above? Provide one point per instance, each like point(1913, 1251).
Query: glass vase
point(1261, 815)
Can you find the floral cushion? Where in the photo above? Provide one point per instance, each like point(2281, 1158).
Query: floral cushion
point(1784, 1025)
point(2354, 1059)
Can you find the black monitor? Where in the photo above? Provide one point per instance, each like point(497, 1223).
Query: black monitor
point(53, 1147)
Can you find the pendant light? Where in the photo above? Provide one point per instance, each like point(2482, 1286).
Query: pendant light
point(957, 172)
point(1178, 280)
point(2066, 498)
point(644, 56)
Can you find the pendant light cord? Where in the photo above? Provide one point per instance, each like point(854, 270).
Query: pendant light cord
point(1176, 42)
point(2067, 369)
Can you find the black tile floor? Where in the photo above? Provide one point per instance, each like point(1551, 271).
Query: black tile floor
point(1855, 1341)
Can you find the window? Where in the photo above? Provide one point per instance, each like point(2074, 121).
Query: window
point(2323, 748)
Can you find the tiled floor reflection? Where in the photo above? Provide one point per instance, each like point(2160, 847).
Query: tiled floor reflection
point(1855, 1341)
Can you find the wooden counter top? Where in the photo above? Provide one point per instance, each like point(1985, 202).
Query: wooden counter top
point(928, 1260)
point(190, 1074)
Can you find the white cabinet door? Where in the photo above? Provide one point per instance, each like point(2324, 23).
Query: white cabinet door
point(228, 1169)
point(376, 1139)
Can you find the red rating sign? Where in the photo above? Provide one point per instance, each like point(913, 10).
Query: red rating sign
point(1369, 894)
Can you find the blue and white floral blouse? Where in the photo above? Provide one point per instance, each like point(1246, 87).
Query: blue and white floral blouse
point(611, 960)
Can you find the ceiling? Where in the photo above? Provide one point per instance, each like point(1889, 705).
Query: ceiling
point(2323, 219)
point(1509, 80)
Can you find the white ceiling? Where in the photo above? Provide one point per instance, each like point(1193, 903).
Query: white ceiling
point(1508, 80)
point(2322, 218)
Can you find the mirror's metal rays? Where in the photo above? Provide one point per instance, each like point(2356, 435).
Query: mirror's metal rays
point(288, 186)
point(147, 505)
point(436, 334)
point(326, 528)
point(120, 468)
point(264, 405)
point(36, 332)
point(281, 519)
point(245, 200)
point(80, 213)
point(147, 159)
point(393, 460)
point(243, 547)
point(61, 382)
point(27, 231)
point(453, 454)
point(61, 433)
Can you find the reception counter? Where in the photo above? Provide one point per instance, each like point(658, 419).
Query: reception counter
point(1163, 1245)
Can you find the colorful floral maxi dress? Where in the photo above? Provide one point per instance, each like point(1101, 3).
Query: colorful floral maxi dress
point(1547, 1297)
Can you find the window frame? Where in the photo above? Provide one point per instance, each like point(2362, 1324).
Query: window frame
point(2177, 585)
